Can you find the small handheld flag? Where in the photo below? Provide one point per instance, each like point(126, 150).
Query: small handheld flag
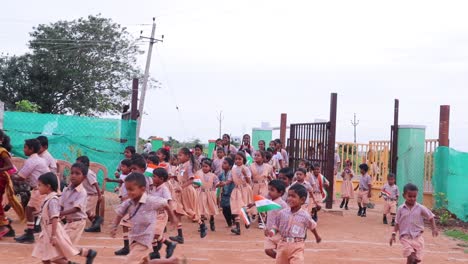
point(149, 170)
point(197, 181)
point(265, 205)
point(385, 194)
point(245, 217)
point(218, 192)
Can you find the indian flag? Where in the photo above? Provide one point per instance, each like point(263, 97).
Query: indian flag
point(149, 170)
point(249, 159)
point(385, 194)
point(265, 205)
point(218, 192)
point(197, 181)
point(245, 217)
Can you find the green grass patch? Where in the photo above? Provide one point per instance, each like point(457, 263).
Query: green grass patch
point(457, 234)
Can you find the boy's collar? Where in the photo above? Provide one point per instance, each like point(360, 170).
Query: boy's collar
point(142, 198)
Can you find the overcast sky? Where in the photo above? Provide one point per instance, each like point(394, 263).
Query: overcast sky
point(256, 59)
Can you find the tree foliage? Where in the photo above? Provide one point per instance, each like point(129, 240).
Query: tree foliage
point(82, 67)
point(27, 106)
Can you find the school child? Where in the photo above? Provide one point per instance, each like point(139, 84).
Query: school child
point(283, 152)
point(261, 174)
point(292, 224)
point(198, 154)
point(152, 162)
point(164, 157)
point(318, 182)
point(6, 187)
point(365, 190)
point(141, 209)
point(410, 224)
point(53, 245)
point(125, 170)
point(347, 189)
point(276, 189)
point(286, 175)
point(246, 147)
point(73, 206)
point(174, 161)
point(94, 196)
point(242, 194)
point(228, 185)
point(276, 156)
point(228, 148)
point(33, 167)
point(218, 162)
point(138, 165)
point(128, 153)
point(391, 193)
point(159, 189)
point(45, 154)
point(261, 145)
point(207, 194)
point(188, 203)
point(269, 158)
point(300, 179)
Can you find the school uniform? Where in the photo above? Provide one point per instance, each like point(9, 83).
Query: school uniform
point(50, 161)
point(226, 195)
point(364, 189)
point(292, 228)
point(162, 191)
point(347, 189)
point(309, 189)
point(34, 167)
point(142, 215)
point(260, 175)
point(217, 166)
point(285, 156)
point(390, 205)
point(74, 197)
point(189, 196)
point(207, 193)
point(92, 200)
point(122, 190)
point(272, 242)
point(43, 249)
point(411, 227)
point(242, 193)
point(318, 189)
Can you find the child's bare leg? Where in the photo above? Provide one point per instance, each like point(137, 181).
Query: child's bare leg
point(180, 237)
point(271, 253)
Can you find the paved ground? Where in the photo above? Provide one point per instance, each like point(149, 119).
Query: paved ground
point(346, 239)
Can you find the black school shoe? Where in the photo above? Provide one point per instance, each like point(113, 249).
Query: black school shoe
point(91, 256)
point(203, 230)
point(122, 252)
point(170, 249)
point(26, 238)
point(178, 239)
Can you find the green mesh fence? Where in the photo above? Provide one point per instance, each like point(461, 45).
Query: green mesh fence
point(102, 140)
point(451, 179)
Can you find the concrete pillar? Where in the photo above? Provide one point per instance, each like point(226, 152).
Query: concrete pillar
point(444, 125)
point(283, 126)
point(410, 164)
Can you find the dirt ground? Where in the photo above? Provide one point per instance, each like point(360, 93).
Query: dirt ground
point(346, 239)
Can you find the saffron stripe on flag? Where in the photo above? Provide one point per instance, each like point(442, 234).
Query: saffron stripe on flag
point(244, 216)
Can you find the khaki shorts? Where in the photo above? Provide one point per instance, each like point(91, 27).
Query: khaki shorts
point(292, 253)
point(161, 222)
point(91, 205)
point(272, 242)
point(138, 254)
point(36, 201)
point(390, 207)
point(75, 230)
point(363, 197)
point(412, 245)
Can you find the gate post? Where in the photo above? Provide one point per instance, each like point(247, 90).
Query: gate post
point(329, 174)
point(394, 139)
point(444, 125)
point(283, 128)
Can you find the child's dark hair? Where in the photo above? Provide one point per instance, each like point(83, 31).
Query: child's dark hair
point(278, 185)
point(50, 179)
point(288, 172)
point(230, 161)
point(271, 150)
point(198, 146)
point(278, 141)
point(154, 159)
point(84, 160)
point(5, 141)
point(166, 153)
point(299, 189)
point(242, 155)
point(207, 161)
point(306, 163)
point(302, 170)
point(161, 173)
point(82, 167)
point(139, 162)
point(391, 175)
point(44, 141)
point(137, 156)
point(268, 155)
point(232, 156)
point(410, 188)
point(144, 155)
point(316, 165)
point(126, 162)
point(187, 152)
point(364, 167)
point(131, 149)
point(220, 149)
point(137, 178)
point(261, 140)
point(262, 154)
point(152, 153)
point(33, 144)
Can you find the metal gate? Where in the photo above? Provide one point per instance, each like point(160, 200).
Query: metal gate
point(315, 142)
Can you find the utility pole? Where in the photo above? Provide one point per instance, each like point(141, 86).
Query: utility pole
point(152, 40)
point(355, 124)
point(220, 119)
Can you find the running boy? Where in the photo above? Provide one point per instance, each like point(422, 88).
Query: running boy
point(365, 190)
point(410, 224)
point(292, 224)
point(142, 209)
point(276, 190)
point(390, 193)
point(286, 175)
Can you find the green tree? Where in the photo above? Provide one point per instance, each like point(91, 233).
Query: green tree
point(27, 106)
point(81, 67)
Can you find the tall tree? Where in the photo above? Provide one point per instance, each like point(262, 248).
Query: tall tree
point(81, 67)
